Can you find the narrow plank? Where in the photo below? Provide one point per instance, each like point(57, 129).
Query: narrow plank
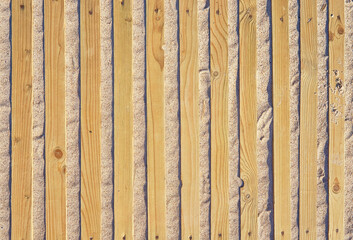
point(219, 119)
point(21, 136)
point(90, 120)
point(189, 118)
point(336, 116)
point(281, 127)
point(308, 111)
point(155, 121)
point(123, 120)
point(248, 118)
point(55, 124)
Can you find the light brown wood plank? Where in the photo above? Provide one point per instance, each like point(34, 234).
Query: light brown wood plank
point(90, 120)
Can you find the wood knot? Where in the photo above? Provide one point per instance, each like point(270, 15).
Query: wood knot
point(217, 11)
point(330, 36)
point(219, 235)
point(249, 234)
point(281, 19)
point(215, 74)
point(340, 30)
point(282, 233)
point(124, 237)
point(90, 12)
point(247, 196)
point(157, 237)
point(190, 237)
point(122, 2)
point(336, 186)
point(336, 230)
point(307, 231)
point(58, 153)
point(22, 6)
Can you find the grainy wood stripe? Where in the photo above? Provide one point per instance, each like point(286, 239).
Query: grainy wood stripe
point(308, 124)
point(21, 136)
point(281, 119)
point(55, 124)
point(336, 119)
point(90, 120)
point(248, 118)
point(123, 120)
point(219, 119)
point(189, 131)
point(155, 121)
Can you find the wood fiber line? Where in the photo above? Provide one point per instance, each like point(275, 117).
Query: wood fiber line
point(336, 119)
point(123, 120)
point(248, 119)
point(219, 120)
point(189, 131)
point(281, 119)
point(90, 121)
point(55, 123)
point(308, 119)
point(21, 136)
point(155, 121)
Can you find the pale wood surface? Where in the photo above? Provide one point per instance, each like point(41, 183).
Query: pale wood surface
point(155, 121)
point(90, 120)
point(21, 136)
point(189, 120)
point(248, 118)
point(336, 119)
point(123, 120)
point(308, 119)
point(55, 126)
point(281, 120)
point(219, 119)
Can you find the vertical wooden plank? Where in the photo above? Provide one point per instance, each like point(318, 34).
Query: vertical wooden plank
point(155, 121)
point(55, 124)
point(123, 120)
point(336, 116)
point(90, 120)
point(308, 124)
point(189, 131)
point(281, 119)
point(248, 118)
point(21, 136)
point(219, 119)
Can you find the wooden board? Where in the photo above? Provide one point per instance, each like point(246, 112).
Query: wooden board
point(21, 135)
point(123, 120)
point(336, 119)
point(308, 124)
point(90, 121)
point(281, 127)
point(155, 121)
point(189, 120)
point(219, 120)
point(55, 124)
point(248, 118)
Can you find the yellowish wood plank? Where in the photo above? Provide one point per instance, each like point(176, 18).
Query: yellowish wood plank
point(21, 136)
point(155, 121)
point(55, 124)
point(336, 117)
point(281, 120)
point(90, 121)
point(248, 118)
point(219, 119)
point(189, 131)
point(123, 120)
point(308, 124)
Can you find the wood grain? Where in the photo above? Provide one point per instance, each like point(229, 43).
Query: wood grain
point(248, 118)
point(123, 120)
point(308, 118)
point(336, 119)
point(90, 121)
point(219, 119)
point(189, 120)
point(155, 121)
point(55, 124)
point(281, 120)
point(21, 136)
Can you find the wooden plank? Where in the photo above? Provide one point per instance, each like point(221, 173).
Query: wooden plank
point(21, 136)
point(123, 120)
point(189, 117)
point(248, 118)
point(308, 124)
point(281, 116)
point(336, 116)
point(55, 123)
point(90, 121)
point(219, 119)
point(155, 121)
